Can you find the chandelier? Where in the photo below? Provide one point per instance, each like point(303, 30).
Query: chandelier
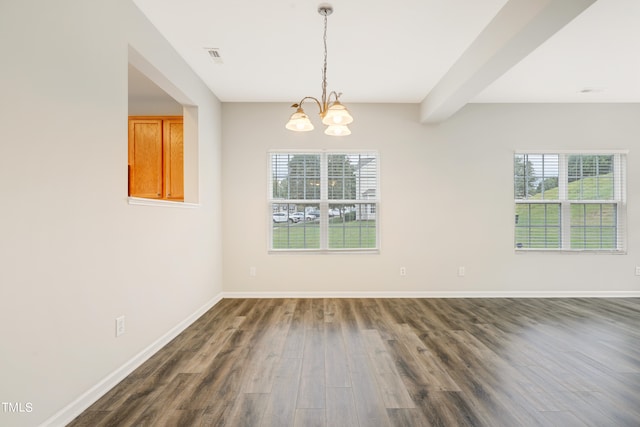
point(332, 112)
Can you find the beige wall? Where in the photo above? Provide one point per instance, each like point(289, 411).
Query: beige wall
point(74, 254)
point(446, 201)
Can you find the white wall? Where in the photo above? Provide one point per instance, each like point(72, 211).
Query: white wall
point(74, 254)
point(147, 99)
point(446, 201)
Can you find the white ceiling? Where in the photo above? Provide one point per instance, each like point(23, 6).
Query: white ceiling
point(396, 51)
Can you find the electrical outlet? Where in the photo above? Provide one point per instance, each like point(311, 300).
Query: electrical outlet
point(252, 271)
point(403, 271)
point(461, 271)
point(120, 329)
point(637, 270)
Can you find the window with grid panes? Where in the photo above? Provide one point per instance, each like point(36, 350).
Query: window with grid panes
point(570, 201)
point(323, 201)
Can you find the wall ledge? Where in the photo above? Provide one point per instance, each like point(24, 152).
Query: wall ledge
point(139, 201)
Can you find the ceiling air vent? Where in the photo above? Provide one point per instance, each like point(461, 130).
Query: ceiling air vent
point(214, 52)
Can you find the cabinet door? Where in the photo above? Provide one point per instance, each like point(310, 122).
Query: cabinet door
point(173, 159)
point(145, 158)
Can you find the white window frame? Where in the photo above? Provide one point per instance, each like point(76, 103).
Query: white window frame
point(323, 202)
point(619, 191)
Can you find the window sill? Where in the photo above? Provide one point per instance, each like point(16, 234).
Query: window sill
point(324, 252)
point(139, 201)
point(571, 251)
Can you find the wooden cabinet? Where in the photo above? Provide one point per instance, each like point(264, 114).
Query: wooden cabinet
point(173, 147)
point(156, 159)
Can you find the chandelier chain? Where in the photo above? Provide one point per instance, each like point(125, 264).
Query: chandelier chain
point(324, 69)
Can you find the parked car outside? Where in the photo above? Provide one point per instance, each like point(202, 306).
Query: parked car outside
point(312, 215)
point(281, 217)
point(296, 217)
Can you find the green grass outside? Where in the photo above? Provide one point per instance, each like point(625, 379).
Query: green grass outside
point(591, 188)
point(593, 226)
point(342, 235)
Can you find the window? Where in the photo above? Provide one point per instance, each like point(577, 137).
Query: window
point(570, 201)
point(321, 201)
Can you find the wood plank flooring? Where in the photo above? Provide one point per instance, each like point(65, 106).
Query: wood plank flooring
point(390, 362)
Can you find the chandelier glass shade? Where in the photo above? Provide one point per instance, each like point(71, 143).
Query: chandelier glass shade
point(337, 114)
point(299, 121)
point(332, 113)
point(337, 130)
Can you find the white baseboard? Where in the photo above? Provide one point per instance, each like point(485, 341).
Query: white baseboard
point(437, 294)
point(75, 408)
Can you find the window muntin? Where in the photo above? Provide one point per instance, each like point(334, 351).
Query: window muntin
point(573, 202)
point(593, 175)
point(352, 226)
point(330, 198)
point(293, 231)
point(536, 176)
point(295, 176)
point(538, 226)
point(594, 226)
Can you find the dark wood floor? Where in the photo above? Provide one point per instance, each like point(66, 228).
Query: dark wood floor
point(390, 362)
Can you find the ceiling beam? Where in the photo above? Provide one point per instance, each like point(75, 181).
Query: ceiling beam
point(516, 31)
